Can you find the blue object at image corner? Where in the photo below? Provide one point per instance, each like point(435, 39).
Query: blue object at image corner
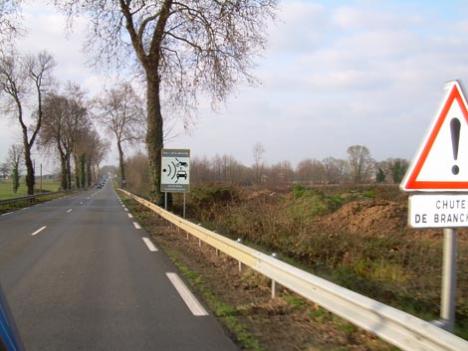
point(9, 337)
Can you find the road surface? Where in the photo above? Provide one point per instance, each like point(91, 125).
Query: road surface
point(80, 274)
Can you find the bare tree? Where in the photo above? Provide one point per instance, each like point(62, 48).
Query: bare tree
point(15, 155)
point(9, 21)
point(311, 171)
point(336, 170)
point(182, 47)
point(21, 78)
point(120, 111)
point(53, 133)
point(4, 169)
point(258, 152)
point(361, 163)
point(138, 174)
point(396, 168)
point(281, 173)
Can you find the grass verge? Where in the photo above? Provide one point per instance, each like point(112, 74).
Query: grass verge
point(242, 302)
point(26, 203)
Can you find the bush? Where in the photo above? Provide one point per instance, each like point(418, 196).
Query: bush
point(208, 196)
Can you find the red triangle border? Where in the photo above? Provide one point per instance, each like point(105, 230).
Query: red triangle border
point(412, 183)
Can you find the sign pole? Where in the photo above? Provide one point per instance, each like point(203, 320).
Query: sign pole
point(165, 200)
point(183, 212)
point(449, 279)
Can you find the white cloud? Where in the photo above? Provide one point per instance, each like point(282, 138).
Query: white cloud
point(370, 73)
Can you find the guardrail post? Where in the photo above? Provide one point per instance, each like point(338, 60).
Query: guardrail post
point(239, 240)
point(273, 282)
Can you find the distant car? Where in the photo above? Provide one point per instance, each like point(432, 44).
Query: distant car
point(181, 174)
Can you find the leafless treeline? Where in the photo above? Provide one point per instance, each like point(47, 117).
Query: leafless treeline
point(69, 132)
point(358, 168)
point(227, 169)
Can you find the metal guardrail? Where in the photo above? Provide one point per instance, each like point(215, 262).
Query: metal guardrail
point(396, 327)
point(30, 198)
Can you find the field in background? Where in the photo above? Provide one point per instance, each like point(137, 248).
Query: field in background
point(6, 191)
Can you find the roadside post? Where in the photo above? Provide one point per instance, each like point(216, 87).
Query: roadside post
point(175, 173)
point(438, 181)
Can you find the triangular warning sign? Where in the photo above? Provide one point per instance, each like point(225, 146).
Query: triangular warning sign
point(442, 161)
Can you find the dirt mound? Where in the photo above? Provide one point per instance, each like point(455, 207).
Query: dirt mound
point(366, 217)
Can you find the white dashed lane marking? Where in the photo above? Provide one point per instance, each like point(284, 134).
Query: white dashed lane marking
point(39, 230)
point(190, 300)
point(150, 245)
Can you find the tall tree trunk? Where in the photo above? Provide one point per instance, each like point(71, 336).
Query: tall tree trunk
point(63, 168)
point(89, 173)
point(30, 180)
point(69, 175)
point(15, 178)
point(63, 173)
point(77, 171)
point(123, 180)
point(83, 170)
point(154, 135)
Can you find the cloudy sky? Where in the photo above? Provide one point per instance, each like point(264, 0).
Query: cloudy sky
point(335, 73)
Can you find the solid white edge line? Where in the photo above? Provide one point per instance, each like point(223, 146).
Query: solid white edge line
point(39, 230)
point(7, 214)
point(190, 300)
point(136, 225)
point(130, 215)
point(150, 244)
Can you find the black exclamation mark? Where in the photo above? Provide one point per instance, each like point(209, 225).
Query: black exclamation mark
point(455, 132)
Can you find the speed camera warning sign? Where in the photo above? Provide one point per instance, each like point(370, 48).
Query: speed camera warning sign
point(175, 170)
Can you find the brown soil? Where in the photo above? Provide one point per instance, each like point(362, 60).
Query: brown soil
point(366, 217)
point(287, 322)
point(375, 217)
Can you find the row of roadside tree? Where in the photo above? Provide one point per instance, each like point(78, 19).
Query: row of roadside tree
point(358, 168)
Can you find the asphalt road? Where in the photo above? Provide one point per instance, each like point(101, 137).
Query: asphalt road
point(80, 274)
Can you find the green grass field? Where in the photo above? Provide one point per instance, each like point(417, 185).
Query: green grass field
point(6, 191)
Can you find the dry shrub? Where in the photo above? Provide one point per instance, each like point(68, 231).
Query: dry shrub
point(138, 175)
point(363, 245)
